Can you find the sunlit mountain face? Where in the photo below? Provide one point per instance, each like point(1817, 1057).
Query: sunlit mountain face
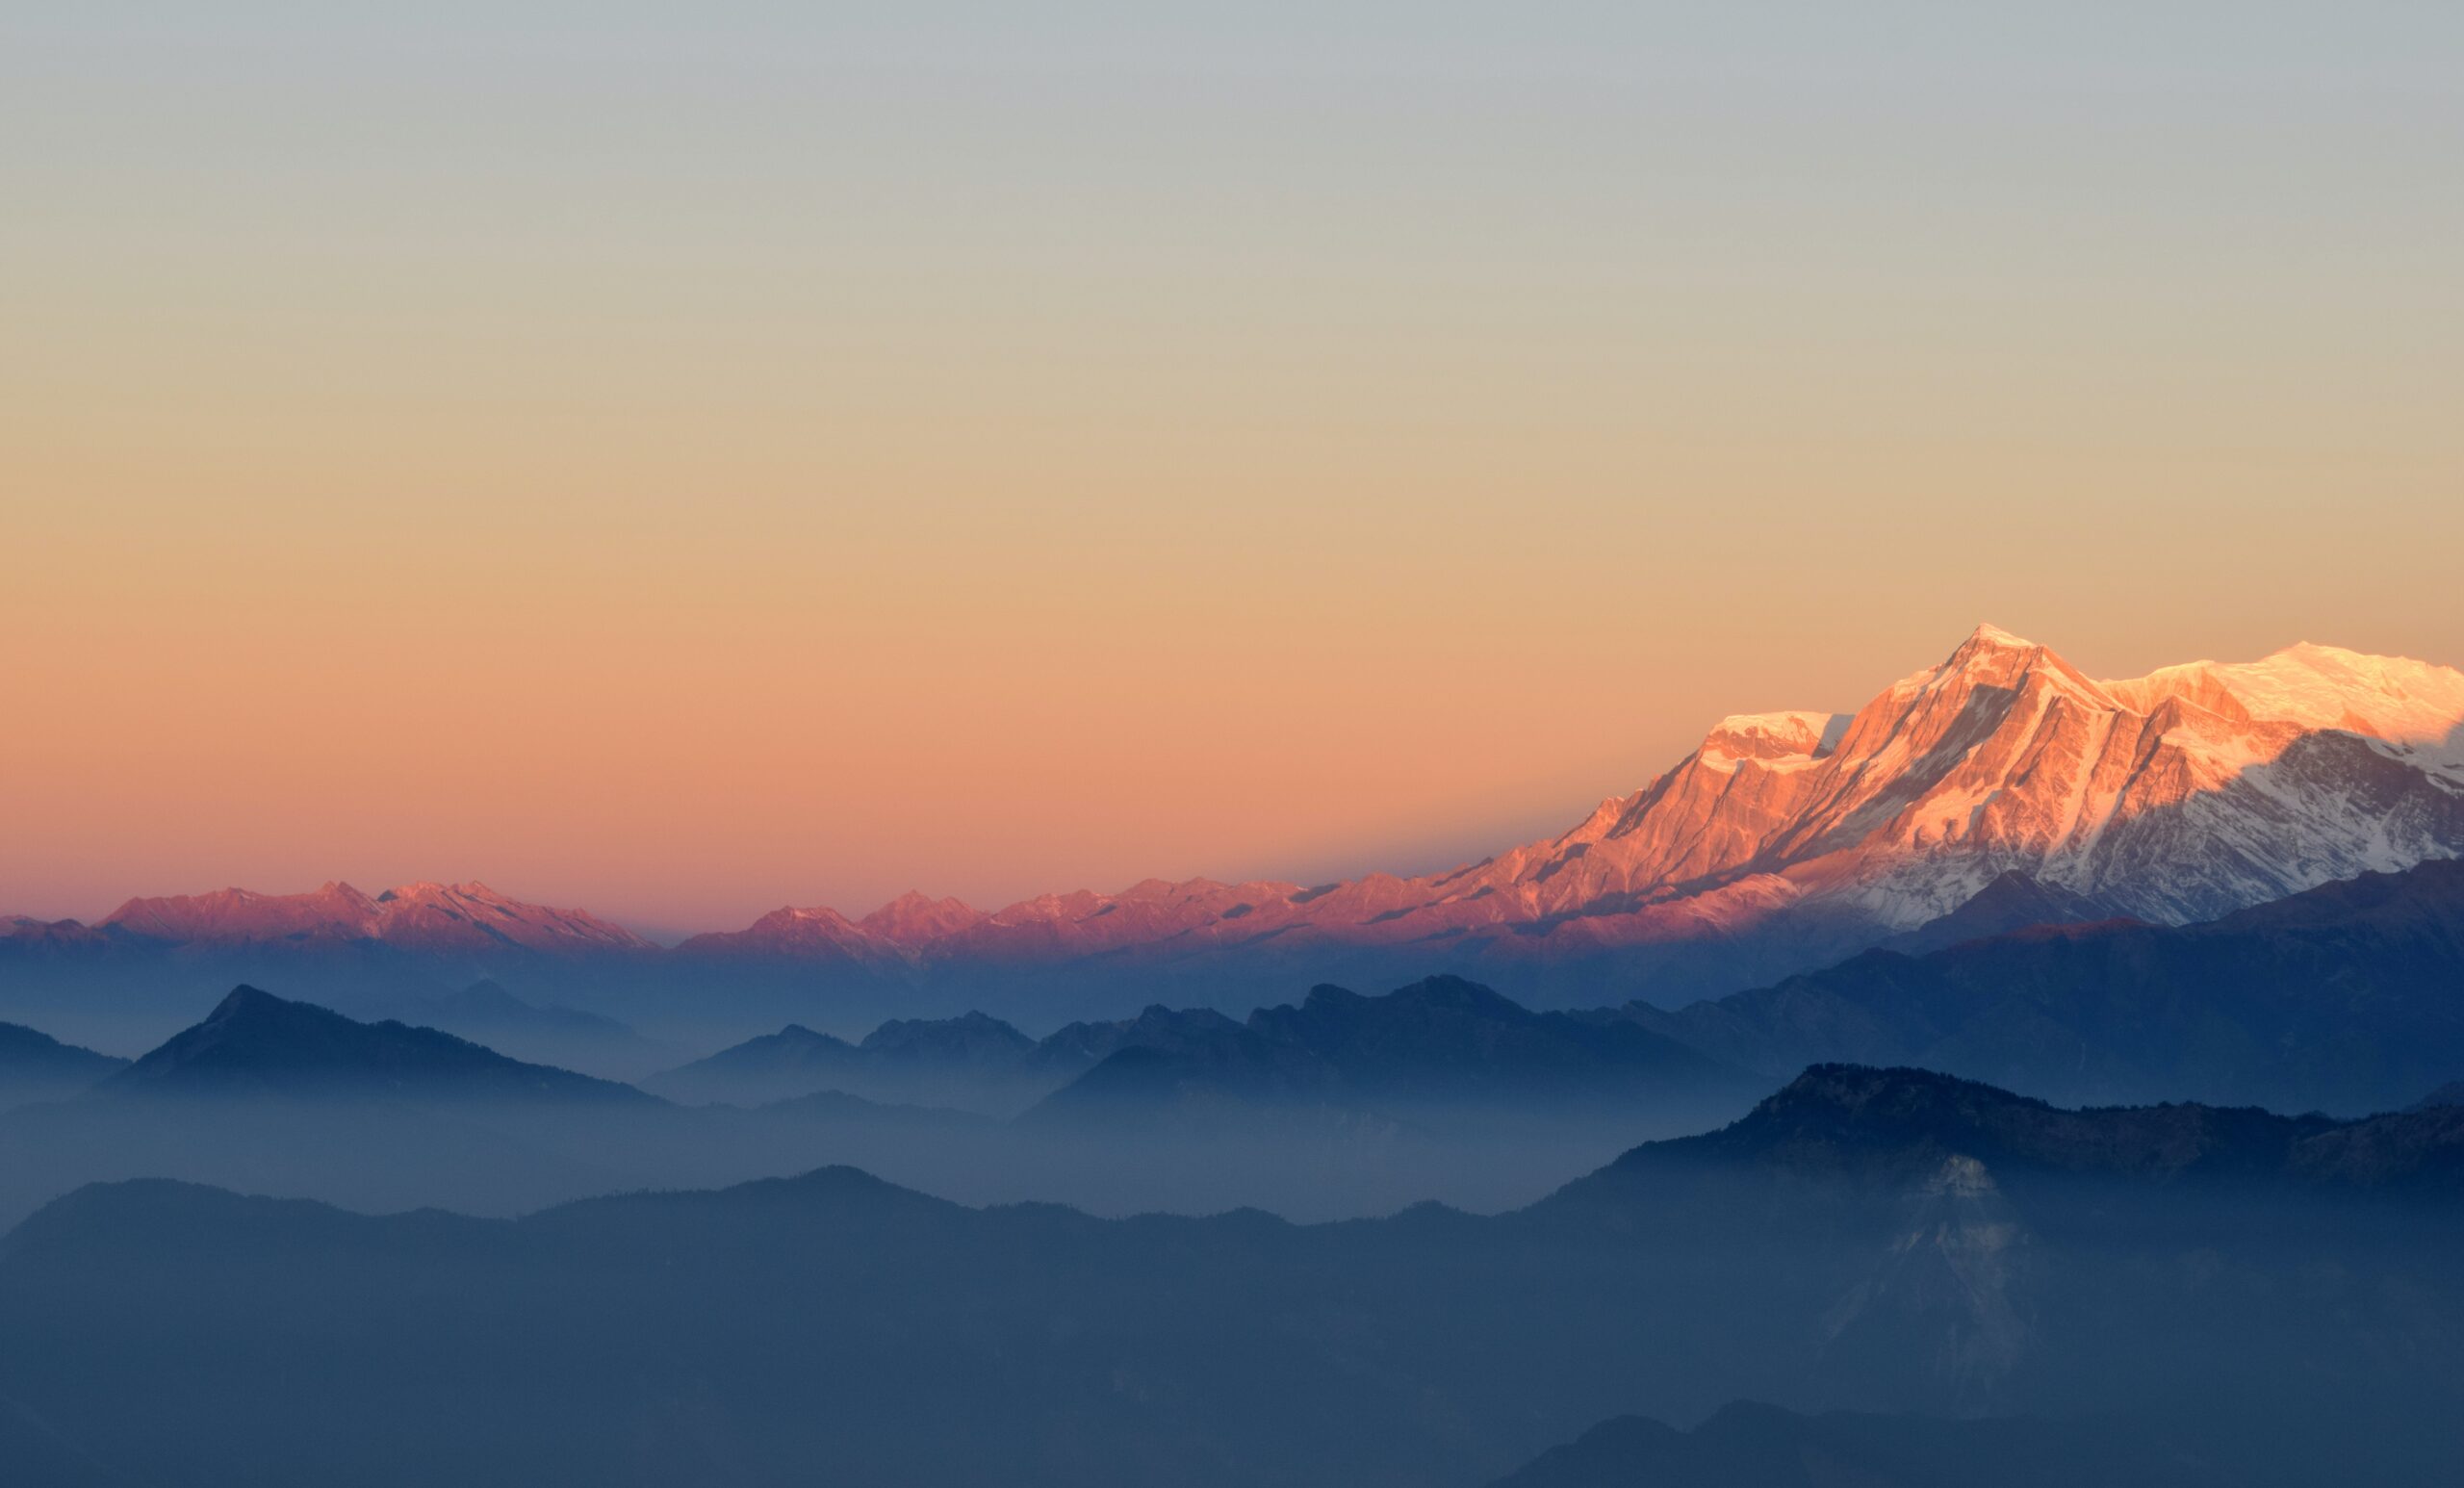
point(427, 916)
point(2193, 791)
point(1785, 840)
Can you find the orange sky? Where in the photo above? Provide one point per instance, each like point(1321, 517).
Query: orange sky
point(1025, 474)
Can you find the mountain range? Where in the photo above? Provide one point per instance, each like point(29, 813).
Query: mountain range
point(435, 917)
point(255, 1043)
point(485, 1012)
point(1438, 1090)
point(2278, 1292)
point(2341, 998)
point(1440, 1051)
point(1784, 841)
point(1441, 1048)
point(2171, 796)
point(974, 1062)
point(2338, 999)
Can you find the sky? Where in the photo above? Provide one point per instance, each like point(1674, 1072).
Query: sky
point(682, 460)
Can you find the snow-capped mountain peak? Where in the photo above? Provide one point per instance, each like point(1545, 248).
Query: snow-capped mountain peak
point(2392, 697)
point(1785, 838)
point(423, 916)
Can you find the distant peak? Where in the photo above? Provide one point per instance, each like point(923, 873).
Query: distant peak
point(1994, 657)
point(1451, 991)
point(1997, 638)
point(914, 917)
point(244, 998)
point(1325, 994)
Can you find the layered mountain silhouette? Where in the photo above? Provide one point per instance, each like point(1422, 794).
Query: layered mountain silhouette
point(1878, 1242)
point(486, 1012)
point(257, 1044)
point(36, 1066)
point(2341, 998)
point(283, 1097)
point(795, 1061)
point(1998, 787)
point(273, 1095)
point(1905, 1125)
point(974, 1062)
point(1439, 1045)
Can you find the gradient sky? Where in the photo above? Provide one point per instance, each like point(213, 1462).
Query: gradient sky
point(686, 459)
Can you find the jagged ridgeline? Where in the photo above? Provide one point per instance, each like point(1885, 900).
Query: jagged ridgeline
point(2000, 786)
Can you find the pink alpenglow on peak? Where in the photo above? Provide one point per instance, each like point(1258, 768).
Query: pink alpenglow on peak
point(424, 917)
point(1769, 735)
point(2186, 793)
point(914, 919)
point(821, 933)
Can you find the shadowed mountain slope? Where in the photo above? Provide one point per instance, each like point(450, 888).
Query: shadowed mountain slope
point(2342, 998)
point(271, 1097)
point(974, 1062)
point(485, 1012)
point(1442, 1043)
point(795, 1061)
point(1855, 1120)
point(1881, 1241)
point(256, 1044)
point(36, 1066)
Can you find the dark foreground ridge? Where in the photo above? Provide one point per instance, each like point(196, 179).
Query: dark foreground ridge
point(1876, 1241)
point(1848, 1118)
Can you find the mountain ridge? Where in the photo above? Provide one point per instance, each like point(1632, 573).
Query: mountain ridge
point(420, 916)
point(1785, 840)
point(34, 1066)
point(2337, 997)
point(254, 1042)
